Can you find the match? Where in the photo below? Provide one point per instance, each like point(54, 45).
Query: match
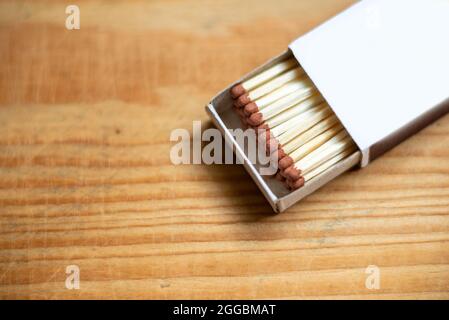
point(297, 122)
point(268, 87)
point(276, 70)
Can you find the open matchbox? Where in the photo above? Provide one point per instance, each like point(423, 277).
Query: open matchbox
point(383, 68)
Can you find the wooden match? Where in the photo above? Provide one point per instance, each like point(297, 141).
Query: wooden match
point(263, 77)
point(296, 121)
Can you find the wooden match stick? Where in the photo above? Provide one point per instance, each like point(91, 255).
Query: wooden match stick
point(287, 102)
point(295, 110)
point(304, 135)
point(297, 184)
point(285, 90)
point(305, 122)
point(311, 133)
point(295, 122)
point(308, 147)
point(290, 129)
point(256, 119)
point(320, 155)
point(284, 132)
point(319, 170)
point(268, 87)
point(263, 77)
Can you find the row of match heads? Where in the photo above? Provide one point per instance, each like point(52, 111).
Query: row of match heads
point(290, 115)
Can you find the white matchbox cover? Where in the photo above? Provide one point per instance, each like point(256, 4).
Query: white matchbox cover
point(383, 67)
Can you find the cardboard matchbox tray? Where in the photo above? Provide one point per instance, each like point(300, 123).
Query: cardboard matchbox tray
point(280, 198)
point(384, 75)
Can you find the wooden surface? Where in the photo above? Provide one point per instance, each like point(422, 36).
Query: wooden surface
point(86, 179)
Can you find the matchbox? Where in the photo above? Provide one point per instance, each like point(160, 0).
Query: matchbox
point(384, 75)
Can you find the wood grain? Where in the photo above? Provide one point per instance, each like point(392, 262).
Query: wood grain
point(85, 175)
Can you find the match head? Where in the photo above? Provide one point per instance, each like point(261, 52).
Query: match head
point(281, 154)
point(276, 155)
point(291, 173)
point(237, 91)
point(251, 108)
point(285, 162)
point(256, 119)
point(243, 100)
point(295, 185)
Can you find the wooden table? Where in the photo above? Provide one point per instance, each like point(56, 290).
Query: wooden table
point(86, 178)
